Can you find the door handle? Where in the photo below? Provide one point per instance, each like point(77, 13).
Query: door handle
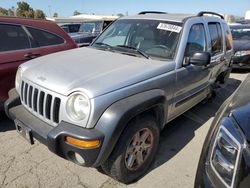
point(31, 55)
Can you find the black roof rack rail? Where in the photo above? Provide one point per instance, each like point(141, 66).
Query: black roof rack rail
point(151, 12)
point(212, 13)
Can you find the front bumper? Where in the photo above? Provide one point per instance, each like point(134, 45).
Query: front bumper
point(55, 137)
point(241, 62)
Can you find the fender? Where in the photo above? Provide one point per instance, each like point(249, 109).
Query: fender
point(116, 117)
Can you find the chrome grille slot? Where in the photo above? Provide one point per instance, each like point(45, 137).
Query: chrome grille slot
point(30, 96)
point(22, 89)
point(35, 100)
point(56, 107)
point(40, 103)
point(48, 106)
point(25, 93)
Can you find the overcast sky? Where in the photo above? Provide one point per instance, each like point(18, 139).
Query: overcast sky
point(109, 7)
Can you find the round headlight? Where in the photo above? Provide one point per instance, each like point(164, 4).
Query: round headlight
point(78, 107)
point(18, 78)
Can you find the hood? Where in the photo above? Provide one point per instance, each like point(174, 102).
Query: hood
point(92, 71)
point(240, 107)
point(241, 45)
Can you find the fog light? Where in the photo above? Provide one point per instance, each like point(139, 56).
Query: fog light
point(79, 159)
point(83, 143)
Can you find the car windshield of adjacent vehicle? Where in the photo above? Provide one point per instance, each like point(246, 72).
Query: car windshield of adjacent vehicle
point(94, 27)
point(153, 39)
point(241, 33)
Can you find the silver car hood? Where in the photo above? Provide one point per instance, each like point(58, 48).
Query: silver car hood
point(89, 70)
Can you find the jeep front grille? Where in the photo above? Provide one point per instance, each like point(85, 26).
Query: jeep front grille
point(41, 103)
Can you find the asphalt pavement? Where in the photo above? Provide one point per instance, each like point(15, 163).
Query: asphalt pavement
point(26, 166)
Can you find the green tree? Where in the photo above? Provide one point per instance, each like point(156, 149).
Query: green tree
point(3, 12)
point(29, 14)
point(76, 13)
point(11, 11)
point(55, 15)
point(24, 10)
point(39, 14)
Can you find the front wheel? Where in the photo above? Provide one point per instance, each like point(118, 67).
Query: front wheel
point(134, 151)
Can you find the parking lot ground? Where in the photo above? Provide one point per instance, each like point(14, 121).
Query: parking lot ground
point(23, 165)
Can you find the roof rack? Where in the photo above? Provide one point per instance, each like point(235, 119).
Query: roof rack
point(212, 13)
point(151, 12)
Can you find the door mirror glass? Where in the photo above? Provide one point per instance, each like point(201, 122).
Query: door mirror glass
point(200, 59)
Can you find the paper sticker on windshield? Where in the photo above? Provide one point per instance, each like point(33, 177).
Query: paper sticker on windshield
point(169, 27)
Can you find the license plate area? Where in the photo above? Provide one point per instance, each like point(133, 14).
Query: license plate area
point(24, 131)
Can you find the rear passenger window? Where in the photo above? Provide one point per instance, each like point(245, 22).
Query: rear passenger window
point(13, 37)
point(44, 38)
point(196, 40)
point(228, 37)
point(216, 38)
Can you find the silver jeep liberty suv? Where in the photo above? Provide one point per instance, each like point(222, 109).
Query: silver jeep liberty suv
point(105, 105)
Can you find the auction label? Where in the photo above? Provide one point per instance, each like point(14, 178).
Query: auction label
point(169, 27)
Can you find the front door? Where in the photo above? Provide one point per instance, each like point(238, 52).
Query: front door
point(191, 81)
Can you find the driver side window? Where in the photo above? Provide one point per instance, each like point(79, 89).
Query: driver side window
point(196, 40)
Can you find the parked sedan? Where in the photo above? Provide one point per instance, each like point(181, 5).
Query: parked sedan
point(225, 156)
point(25, 39)
point(88, 31)
point(241, 44)
point(70, 27)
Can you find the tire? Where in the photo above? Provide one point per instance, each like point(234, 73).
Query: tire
point(121, 164)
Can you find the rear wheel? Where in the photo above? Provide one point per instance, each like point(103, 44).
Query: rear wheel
point(134, 151)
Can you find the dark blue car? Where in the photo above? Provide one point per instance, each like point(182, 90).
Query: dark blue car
point(88, 31)
point(241, 45)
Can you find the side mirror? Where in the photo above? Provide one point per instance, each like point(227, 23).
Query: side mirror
point(200, 59)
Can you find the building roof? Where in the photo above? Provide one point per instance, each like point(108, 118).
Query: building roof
point(81, 18)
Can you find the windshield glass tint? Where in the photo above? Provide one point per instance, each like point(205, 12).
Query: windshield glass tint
point(241, 33)
point(157, 39)
point(91, 27)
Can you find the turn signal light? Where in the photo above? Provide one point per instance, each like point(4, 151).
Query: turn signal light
point(83, 143)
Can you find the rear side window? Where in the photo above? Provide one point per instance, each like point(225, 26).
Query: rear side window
point(196, 40)
point(13, 37)
point(216, 38)
point(44, 38)
point(228, 37)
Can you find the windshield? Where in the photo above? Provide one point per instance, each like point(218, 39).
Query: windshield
point(91, 27)
point(241, 33)
point(153, 38)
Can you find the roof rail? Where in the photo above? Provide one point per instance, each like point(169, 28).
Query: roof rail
point(151, 12)
point(212, 13)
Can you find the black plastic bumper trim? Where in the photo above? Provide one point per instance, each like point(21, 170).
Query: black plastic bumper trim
point(54, 137)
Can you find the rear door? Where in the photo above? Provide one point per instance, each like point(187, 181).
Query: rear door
point(228, 43)
point(45, 42)
point(14, 47)
point(217, 49)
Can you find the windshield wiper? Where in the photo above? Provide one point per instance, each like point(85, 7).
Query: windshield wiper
point(104, 44)
point(135, 50)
